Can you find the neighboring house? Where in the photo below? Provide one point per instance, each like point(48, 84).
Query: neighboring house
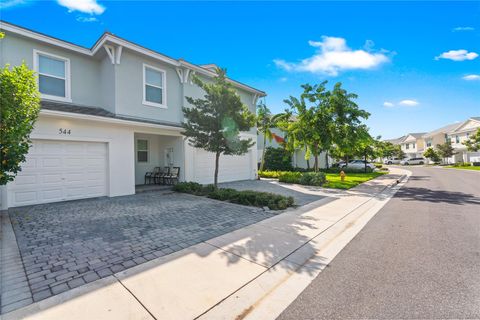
point(110, 113)
point(438, 136)
point(413, 145)
point(459, 134)
point(298, 157)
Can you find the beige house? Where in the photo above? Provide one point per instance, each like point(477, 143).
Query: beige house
point(413, 145)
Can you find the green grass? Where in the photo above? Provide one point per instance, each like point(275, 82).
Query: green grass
point(351, 180)
point(465, 167)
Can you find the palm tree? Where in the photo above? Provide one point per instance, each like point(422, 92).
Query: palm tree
point(265, 124)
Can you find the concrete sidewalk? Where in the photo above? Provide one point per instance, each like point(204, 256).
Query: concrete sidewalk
point(254, 272)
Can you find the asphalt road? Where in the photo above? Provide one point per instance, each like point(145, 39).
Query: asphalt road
point(418, 258)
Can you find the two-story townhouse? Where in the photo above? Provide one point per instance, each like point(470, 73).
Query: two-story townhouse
point(413, 145)
point(438, 136)
point(109, 114)
point(458, 135)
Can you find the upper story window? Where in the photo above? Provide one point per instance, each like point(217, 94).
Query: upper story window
point(154, 87)
point(407, 146)
point(429, 143)
point(413, 145)
point(457, 139)
point(53, 76)
point(142, 150)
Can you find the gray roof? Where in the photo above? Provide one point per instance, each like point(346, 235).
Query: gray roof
point(396, 140)
point(444, 129)
point(99, 112)
point(475, 118)
point(416, 135)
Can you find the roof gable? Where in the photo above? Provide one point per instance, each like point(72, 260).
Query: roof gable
point(468, 125)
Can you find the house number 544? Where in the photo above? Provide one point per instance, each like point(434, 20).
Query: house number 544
point(64, 131)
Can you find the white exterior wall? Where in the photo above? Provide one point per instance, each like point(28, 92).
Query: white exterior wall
point(119, 138)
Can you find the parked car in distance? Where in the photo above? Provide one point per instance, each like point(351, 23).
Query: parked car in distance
point(410, 161)
point(358, 164)
point(392, 161)
point(338, 164)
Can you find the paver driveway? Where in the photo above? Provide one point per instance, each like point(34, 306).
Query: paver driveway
point(65, 245)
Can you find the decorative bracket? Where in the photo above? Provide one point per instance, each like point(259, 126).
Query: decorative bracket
point(114, 54)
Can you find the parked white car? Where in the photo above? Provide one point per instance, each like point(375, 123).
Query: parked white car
point(358, 164)
point(392, 161)
point(410, 161)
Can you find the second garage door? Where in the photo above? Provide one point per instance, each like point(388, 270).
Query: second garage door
point(231, 168)
point(58, 170)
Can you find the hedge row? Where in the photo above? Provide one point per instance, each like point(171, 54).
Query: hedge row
point(247, 197)
point(304, 178)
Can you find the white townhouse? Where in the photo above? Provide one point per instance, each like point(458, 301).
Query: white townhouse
point(109, 114)
point(459, 134)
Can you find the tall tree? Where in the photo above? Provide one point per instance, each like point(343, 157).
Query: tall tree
point(445, 150)
point(347, 120)
point(216, 120)
point(265, 123)
point(310, 128)
point(473, 144)
point(19, 107)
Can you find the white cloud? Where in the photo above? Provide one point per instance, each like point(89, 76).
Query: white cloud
point(388, 104)
point(85, 6)
point(333, 56)
point(5, 4)
point(409, 103)
point(463, 29)
point(471, 77)
point(86, 19)
point(458, 55)
point(283, 79)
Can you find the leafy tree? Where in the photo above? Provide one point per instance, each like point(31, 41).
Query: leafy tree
point(431, 154)
point(473, 144)
point(347, 120)
point(311, 129)
point(398, 152)
point(278, 159)
point(215, 121)
point(365, 146)
point(445, 150)
point(19, 108)
point(385, 149)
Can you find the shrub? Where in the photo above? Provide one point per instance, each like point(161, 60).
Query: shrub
point(313, 178)
point(290, 177)
point(278, 159)
point(187, 187)
point(253, 198)
point(304, 178)
point(269, 174)
point(193, 188)
point(247, 197)
point(378, 165)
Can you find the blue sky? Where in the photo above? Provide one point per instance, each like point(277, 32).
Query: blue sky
point(414, 65)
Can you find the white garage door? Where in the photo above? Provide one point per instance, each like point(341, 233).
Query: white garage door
point(231, 168)
point(60, 170)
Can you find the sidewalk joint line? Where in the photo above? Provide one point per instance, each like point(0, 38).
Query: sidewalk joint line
point(135, 297)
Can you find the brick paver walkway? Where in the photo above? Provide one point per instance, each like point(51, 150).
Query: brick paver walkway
point(65, 245)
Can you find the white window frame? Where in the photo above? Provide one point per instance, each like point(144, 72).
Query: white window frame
point(148, 150)
point(164, 88)
point(36, 67)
